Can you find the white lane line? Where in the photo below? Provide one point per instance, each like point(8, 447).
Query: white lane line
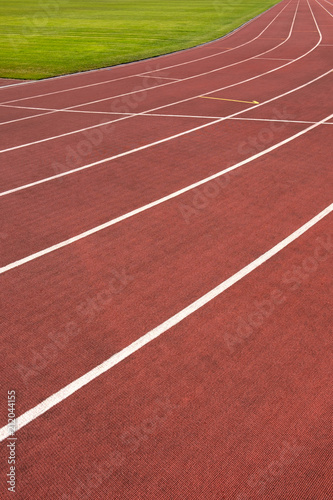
point(155, 87)
point(274, 58)
point(55, 111)
point(115, 359)
point(146, 146)
point(161, 77)
point(305, 122)
point(159, 107)
point(29, 117)
point(65, 110)
point(137, 211)
point(159, 69)
point(26, 117)
point(202, 117)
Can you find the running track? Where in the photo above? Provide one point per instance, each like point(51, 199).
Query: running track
point(166, 259)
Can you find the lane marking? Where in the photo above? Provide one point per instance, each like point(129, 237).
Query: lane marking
point(204, 117)
point(163, 85)
point(65, 110)
point(226, 48)
point(310, 122)
point(161, 77)
point(99, 162)
point(232, 100)
point(175, 194)
point(151, 71)
point(115, 359)
point(280, 121)
point(54, 111)
point(274, 58)
point(165, 115)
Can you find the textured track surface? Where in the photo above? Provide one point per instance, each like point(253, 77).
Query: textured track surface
point(166, 252)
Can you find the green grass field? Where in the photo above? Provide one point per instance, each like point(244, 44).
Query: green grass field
point(42, 38)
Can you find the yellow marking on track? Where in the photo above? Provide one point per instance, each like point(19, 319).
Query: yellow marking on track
point(232, 100)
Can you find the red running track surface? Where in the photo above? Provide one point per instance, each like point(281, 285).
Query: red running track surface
point(166, 266)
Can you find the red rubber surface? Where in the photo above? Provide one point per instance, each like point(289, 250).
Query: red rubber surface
point(235, 402)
